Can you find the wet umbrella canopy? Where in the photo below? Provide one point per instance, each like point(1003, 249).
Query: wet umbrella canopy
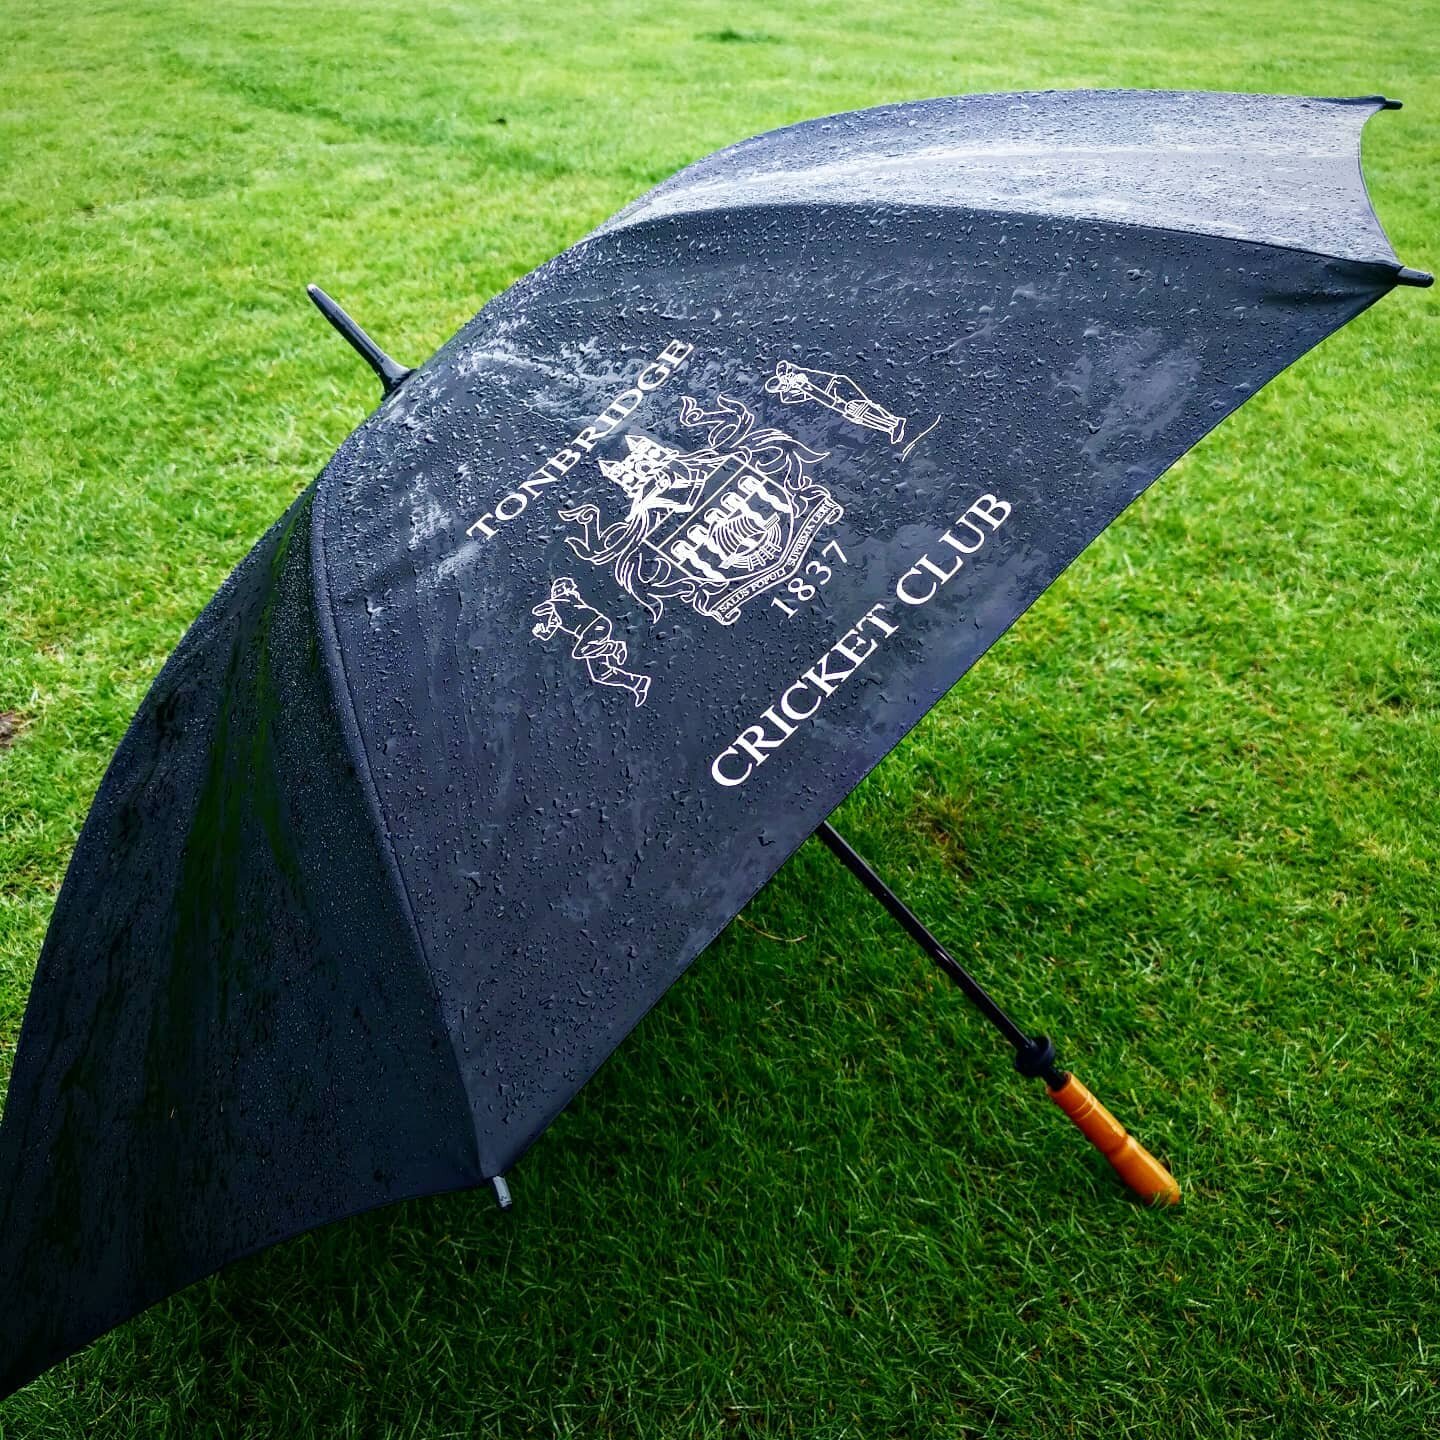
point(595, 620)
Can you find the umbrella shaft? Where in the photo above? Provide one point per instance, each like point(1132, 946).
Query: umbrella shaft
point(912, 924)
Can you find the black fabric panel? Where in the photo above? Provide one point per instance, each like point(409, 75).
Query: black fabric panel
point(567, 848)
point(1273, 169)
point(230, 1037)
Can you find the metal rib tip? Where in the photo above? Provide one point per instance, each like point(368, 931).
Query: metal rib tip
point(391, 373)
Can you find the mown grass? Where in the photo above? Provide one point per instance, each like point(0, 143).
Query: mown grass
point(1185, 815)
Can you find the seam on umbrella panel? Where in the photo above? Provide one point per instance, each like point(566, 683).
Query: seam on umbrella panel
point(339, 680)
point(1390, 269)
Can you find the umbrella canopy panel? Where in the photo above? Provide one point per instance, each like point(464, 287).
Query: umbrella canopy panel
point(640, 575)
point(230, 1037)
point(1282, 169)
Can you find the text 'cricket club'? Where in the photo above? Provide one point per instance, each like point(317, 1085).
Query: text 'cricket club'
point(712, 527)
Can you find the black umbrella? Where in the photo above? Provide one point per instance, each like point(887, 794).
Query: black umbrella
point(595, 620)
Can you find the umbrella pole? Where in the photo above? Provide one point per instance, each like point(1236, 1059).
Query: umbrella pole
point(1034, 1054)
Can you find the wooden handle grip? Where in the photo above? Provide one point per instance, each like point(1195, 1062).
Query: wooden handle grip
point(1133, 1163)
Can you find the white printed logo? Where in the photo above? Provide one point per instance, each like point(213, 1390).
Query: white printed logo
point(715, 526)
point(595, 645)
point(839, 394)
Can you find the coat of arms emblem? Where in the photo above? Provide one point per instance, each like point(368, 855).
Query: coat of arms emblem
point(715, 526)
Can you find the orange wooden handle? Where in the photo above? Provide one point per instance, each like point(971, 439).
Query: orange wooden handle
point(1133, 1163)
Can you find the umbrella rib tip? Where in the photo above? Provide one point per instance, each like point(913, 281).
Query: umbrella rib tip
point(502, 1192)
point(389, 372)
point(1423, 279)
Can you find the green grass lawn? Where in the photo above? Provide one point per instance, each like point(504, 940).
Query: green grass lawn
point(1185, 815)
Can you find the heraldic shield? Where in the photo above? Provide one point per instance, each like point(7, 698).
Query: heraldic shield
point(595, 620)
point(713, 527)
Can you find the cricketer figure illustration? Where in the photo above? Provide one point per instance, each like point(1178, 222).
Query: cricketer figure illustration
point(795, 385)
point(595, 644)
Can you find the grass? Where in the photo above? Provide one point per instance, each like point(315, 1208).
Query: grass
point(1185, 814)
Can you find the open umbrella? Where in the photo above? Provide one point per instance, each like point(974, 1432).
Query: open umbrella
point(595, 620)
